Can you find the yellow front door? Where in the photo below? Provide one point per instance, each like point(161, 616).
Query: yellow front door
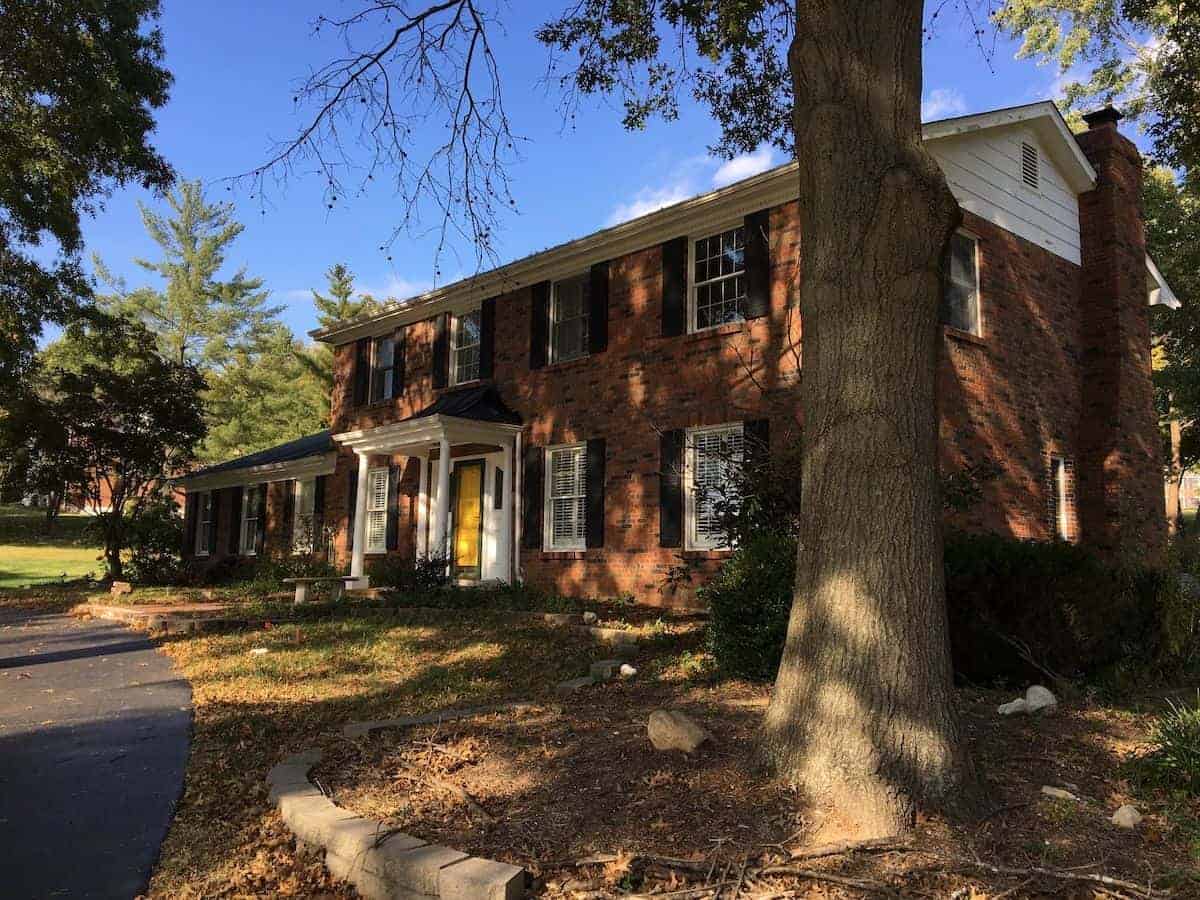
point(467, 505)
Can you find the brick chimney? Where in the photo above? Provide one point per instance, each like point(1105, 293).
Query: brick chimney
point(1120, 487)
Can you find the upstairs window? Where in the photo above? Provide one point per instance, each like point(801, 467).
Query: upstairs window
point(719, 269)
point(383, 355)
point(566, 497)
point(714, 456)
point(569, 319)
point(377, 510)
point(960, 292)
point(204, 523)
point(251, 504)
point(303, 539)
point(464, 355)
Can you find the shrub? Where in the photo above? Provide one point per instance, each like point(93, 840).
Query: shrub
point(153, 538)
point(1174, 761)
point(748, 602)
point(260, 575)
point(410, 576)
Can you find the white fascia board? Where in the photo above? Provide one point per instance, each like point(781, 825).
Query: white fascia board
point(771, 188)
point(305, 467)
point(422, 434)
point(1160, 292)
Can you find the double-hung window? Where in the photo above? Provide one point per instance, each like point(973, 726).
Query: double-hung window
point(566, 497)
point(251, 504)
point(719, 283)
point(464, 355)
point(714, 457)
point(960, 292)
point(569, 318)
point(383, 355)
point(204, 522)
point(377, 510)
point(304, 502)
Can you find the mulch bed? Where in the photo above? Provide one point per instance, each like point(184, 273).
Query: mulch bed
point(553, 785)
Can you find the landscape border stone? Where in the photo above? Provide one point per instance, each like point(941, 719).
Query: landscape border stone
point(381, 863)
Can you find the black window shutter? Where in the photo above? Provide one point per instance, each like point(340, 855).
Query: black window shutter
point(756, 434)
point(289, 514)
point(235, 520)
point(498, 489)
point(487, 337)
point(598, 309)
point(362, 370)
point(758, 264)
point(318, 526)
point(670, 488)
point(393, 507)
point(441, 351)
point(539, 324)
point(399, 343)
point(594, 536)
point(531, 499)
point(260, 539)
point(212, 527)
point(351, 504)
point(674, 286)
point(191, 503)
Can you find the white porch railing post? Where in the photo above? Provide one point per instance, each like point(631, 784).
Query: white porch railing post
point(360, 518)
point(441, 514)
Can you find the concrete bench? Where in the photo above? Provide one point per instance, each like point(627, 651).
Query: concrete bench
point(339, 582)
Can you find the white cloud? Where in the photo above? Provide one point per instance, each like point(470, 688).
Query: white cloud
point(744, 166)
point(942, 103)
point(690, 177)
point(396, 287)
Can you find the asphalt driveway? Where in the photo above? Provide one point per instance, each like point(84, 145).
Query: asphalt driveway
point(94, 730)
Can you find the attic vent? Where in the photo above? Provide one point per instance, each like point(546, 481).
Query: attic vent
point(1029, 164)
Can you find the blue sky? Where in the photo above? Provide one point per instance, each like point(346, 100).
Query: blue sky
point(234, 65)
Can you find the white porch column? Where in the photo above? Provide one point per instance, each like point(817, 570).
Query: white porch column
point(518, 472)
point(441, 513)
point(360, 519)
point(423, 506)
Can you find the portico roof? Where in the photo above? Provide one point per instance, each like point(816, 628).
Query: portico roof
point(468, 415)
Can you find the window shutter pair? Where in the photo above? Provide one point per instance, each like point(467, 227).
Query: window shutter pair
point(260, 538)
point(597, 309)
point(362, 371)
point(190, 505)
point(672, 445)
point(235, 519)
point(533, 495)
point(757, 229)
point(393, 507)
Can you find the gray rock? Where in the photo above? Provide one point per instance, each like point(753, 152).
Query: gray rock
point(1017, 707)
point(575, 684)
point(1040, 699)
point(1127, 817)
point(605, 669)
point(627, 671)
point(670, 729)
point(1058, 793)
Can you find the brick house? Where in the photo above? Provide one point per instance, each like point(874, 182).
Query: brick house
point(566, 418)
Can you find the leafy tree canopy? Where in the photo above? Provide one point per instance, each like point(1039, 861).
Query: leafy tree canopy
point(78, 86)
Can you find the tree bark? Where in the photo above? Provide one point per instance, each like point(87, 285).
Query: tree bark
point(863, 713)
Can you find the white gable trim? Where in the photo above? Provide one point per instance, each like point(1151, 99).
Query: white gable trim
point(1160, 292)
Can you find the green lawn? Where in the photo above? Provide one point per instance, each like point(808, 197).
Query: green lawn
point(32, 554)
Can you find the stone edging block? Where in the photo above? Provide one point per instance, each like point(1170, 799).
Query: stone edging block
point(382, 864)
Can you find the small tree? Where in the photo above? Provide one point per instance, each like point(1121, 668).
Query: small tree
point(119, 419)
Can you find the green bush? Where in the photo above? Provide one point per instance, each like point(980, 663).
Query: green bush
point(1174, 760)
point(257, 576)
point(410, 576)
point(749, 602)
point(1016, 610)
point(153, 539)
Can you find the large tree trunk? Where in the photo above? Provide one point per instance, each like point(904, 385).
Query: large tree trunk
point(862, 716)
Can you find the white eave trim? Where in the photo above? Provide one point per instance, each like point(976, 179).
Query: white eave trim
point(771, 188)
point(305, 467)
point(423, 434)
point(1160, 292)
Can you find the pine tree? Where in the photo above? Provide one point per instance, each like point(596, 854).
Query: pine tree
point(337, 306)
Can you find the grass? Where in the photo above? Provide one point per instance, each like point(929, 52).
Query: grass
point(31, 554)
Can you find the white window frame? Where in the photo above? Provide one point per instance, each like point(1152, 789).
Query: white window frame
point(386, 382)
point(247, 537)
point(694, 541)
point(455, 348)
point(978, 331)
point(694, 285)
point(376, 511)
point(204, 506)
point(1059, 484)
point(304, 492)
point(549, 543)
point(555, 321)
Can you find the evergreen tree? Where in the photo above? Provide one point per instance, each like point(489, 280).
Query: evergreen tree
point(336, 306)
point(198, 316)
